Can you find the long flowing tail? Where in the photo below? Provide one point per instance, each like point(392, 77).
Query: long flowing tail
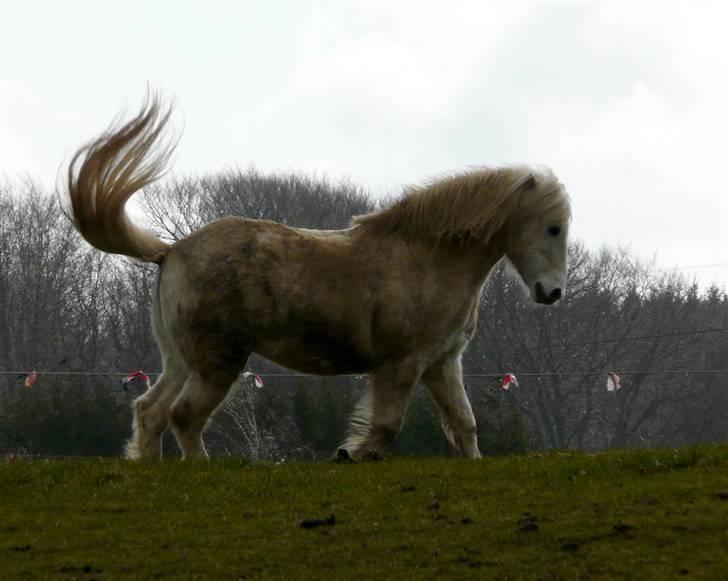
point(112, 168)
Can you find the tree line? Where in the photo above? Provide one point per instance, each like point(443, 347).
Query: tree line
point(67, 308)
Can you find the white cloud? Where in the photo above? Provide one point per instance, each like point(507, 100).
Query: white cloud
point(372, 87)
point(410, 61)
point(27, 122)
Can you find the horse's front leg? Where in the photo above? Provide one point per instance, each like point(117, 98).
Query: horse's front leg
point(379, 415)
point(444, 381)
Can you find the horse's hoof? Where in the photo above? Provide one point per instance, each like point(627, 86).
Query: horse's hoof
point(342, 457)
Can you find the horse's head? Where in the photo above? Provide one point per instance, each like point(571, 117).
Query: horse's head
point(536, 237)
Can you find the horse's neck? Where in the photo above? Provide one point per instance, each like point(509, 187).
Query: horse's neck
point(469, 262)
point(480, 259)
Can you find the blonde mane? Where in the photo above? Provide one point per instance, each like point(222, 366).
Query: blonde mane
point(468, 206)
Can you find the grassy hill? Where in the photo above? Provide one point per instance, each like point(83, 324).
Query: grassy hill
point(644, 514)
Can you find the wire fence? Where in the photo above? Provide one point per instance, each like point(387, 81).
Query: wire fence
point(21, 373)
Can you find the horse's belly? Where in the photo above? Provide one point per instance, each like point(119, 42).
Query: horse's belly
point(319, 355)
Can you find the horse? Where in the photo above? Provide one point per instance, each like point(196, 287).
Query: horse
point(394, 296)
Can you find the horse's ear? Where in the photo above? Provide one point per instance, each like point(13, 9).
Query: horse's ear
point(529, 183)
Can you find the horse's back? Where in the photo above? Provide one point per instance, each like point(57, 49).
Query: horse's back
point(240, 285)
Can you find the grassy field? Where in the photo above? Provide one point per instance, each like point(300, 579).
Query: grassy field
point(640, 514)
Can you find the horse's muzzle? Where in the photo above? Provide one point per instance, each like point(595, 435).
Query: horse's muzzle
point(544, 298)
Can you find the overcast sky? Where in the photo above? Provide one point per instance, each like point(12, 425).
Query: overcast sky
point(626, 102)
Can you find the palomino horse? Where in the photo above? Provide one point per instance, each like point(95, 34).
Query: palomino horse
point(395, 296)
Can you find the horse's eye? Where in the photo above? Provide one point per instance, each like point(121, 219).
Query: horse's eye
point(554, 230)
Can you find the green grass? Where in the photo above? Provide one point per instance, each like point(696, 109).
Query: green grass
point(639, 514)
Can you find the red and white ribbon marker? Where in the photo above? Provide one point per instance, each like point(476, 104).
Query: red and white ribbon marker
point(613, 382)
point(257, 381)
point(30, 379)
point(136, 374)
point(509, 378)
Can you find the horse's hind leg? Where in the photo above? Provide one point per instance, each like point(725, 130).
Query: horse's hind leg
point(151, 411)
point(445, 384)
point(201, 394)
point(379, 415)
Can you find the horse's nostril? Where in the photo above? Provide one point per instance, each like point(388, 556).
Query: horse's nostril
point(556, 294)
point(540, 292)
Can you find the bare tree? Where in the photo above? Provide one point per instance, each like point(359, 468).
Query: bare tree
point(180, 207)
